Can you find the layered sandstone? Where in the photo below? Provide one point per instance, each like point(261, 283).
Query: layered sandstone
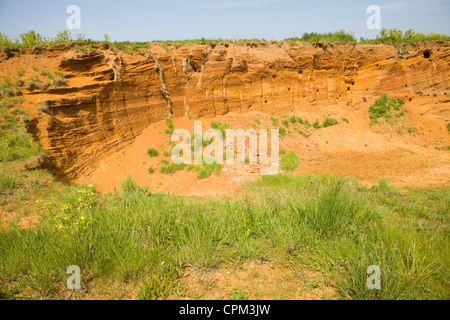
point(111, 96)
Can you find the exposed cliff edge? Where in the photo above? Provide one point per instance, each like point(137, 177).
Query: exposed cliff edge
point(112, 96)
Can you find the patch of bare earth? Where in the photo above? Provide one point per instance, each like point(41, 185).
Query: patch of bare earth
point(257, 280)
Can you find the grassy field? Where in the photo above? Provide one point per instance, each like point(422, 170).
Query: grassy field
point(331, 224)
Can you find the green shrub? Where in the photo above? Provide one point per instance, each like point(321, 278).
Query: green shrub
point(274, 121)
point(282, 131)
point(32, 39)
point(328, 122)
point(395, 35)
point(307, 124)
point(290, 162)
point(169, 123)
point(152, 152)
point(5, 41)
point(169, 131)
point(317, 125)
point(385, 107)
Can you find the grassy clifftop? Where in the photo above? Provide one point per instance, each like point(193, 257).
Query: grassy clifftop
point(387, 36)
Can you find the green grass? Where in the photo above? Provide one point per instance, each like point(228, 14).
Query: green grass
point(384, 186)
point(289, 162)
point(448, 127)
point(337, 36)
point(222, 127)
point(46, 73)
point(302, 133)
point(238, 294)
point(274, 121)
point(205, 170)
point(169, 123)
point(170, 168)
point(333, 225)
point(166, 48)
point(127, 186)
point(15, 142)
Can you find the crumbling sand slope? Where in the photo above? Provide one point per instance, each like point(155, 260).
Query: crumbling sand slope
point(113, 108)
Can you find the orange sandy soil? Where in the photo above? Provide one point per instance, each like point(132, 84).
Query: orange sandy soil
point(349, 149)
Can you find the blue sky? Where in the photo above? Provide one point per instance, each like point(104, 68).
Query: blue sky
point(139, 20)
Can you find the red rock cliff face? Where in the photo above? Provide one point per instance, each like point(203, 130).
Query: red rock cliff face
point(112, 96)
